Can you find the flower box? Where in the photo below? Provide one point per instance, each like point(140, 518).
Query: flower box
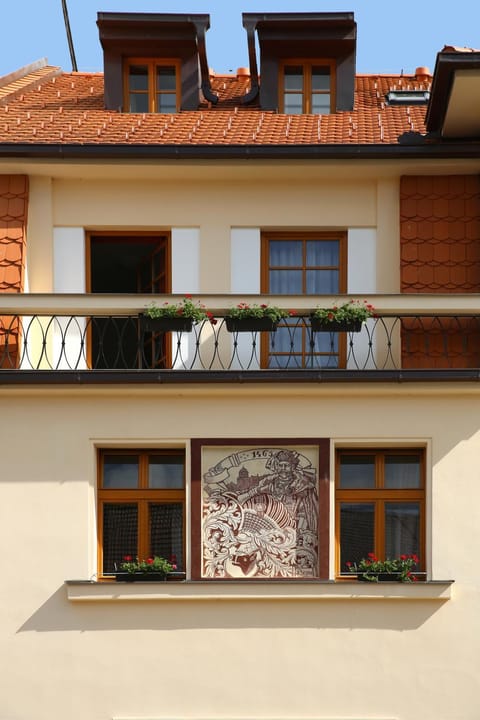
point(251, 324)
point(380, 577)
point(176, 576)
point(348, 317)
point(151, 569)
point(335, 325)
point(140, 577)
point(173, 576)
point(371, 569)
point(166, 324)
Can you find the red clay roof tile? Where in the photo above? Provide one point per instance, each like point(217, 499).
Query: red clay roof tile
point(68, 109)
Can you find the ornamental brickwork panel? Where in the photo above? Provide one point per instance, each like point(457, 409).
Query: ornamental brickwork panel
point(440, 253)
point(440, 234)
point(13, 222)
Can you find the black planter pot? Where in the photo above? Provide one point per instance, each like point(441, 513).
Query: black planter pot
point(379, 577)
point(166, 324)
point(140, 577)
point(250, 324)
point(175, 576)
point(335, 326)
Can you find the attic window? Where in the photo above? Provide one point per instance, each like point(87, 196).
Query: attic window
point(306, 88)
point(151, 86)
point(408, 97)
point(155, 63)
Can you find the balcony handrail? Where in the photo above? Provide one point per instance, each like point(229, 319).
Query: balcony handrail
point(129, 304)
point(100, 341)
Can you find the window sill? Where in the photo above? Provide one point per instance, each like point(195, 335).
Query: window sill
point(270, 590)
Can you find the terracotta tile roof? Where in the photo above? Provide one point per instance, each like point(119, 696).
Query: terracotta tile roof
point(68, 109)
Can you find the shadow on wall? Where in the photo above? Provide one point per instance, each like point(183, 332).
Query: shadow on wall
point(58, 614)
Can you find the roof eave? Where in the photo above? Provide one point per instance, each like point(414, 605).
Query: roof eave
point(446, 67)
point(65, 152)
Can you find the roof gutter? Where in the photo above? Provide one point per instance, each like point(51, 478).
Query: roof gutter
point(66, 152)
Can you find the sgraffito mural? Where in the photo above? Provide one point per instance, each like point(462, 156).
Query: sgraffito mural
point(259, 512)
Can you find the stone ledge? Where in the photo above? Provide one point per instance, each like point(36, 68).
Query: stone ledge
point(270, 590)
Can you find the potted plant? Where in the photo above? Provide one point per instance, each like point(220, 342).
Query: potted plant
point(152, 569)
point(177, 316)
point(347, 317)
point(252, 318)
point(371, 569)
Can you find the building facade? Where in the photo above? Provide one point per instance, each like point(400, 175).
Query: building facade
point(263, 464)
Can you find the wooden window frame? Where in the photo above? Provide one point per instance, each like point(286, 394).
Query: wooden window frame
point(378, 496)
point(152, 64)
point(142, 496)
point(266, 237)
point(164, 238)
point(307, 66)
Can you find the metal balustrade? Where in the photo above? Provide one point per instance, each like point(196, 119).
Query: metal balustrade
point(118, 342)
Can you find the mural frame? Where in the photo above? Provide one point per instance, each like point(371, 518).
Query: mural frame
point(230, 446)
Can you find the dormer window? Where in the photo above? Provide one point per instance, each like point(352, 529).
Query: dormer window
point(307, 87)
point(307, 61)
point(152, 86)
point(154, 63)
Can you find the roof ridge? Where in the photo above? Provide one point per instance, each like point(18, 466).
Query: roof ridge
point(23, 71)
point(19, 84)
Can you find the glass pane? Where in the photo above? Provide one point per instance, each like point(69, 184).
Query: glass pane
point(166, 532)
point(324, 253)
point(326, 342)
point(167, 103)
point(357, 471)
point(321, 104)
point(286, 253)
point(138, 77)
point(165, 471)
point(284, 361)
point(139, 103)
point(326, 361)
point(286, 282)
point(292, 104)
point(293, 78)
point(120, 471)
point(322, 282)
point(120, 534)
point(357, 522)
point(287, 339)
point(166, 78)
point(320, 78)
point(402, 529)
point(402, 471)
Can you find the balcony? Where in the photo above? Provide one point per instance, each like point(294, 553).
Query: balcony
point(99, 338)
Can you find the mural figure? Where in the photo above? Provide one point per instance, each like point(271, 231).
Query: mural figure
point(260, 515)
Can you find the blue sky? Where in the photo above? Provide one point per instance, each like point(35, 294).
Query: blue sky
point(391, 36)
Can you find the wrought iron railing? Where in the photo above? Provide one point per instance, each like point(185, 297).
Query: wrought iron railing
point(119, 342)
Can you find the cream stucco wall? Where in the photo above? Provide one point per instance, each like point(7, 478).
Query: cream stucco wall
point(285, 658)
point(213, 213)
point(326, 654)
